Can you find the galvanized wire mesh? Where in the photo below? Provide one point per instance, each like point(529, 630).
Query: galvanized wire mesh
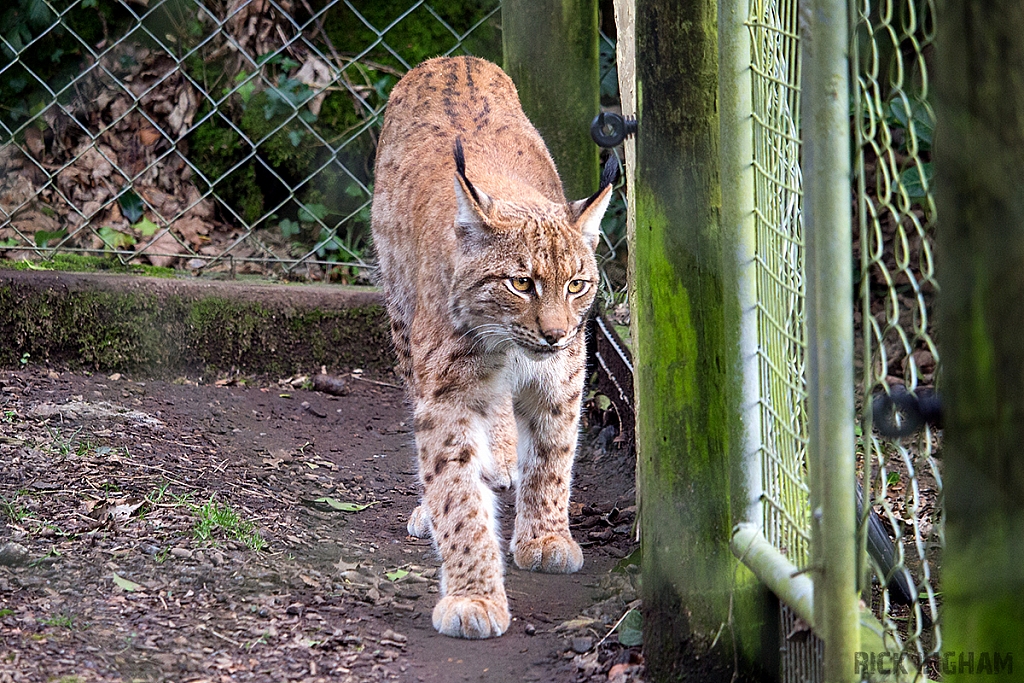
point(779, 253)
point(895, 210)
point(780, 291)
point(213, 135)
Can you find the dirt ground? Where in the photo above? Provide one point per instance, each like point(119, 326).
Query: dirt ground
point(132, 514)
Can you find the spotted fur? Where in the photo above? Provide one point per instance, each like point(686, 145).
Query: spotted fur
point(488, 274)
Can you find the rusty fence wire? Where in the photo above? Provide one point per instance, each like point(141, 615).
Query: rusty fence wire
point(207, 135)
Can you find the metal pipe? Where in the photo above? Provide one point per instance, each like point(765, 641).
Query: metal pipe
point(796, 589)
point(736, 122)
point(827, 226)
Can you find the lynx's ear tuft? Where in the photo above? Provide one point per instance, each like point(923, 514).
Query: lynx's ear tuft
point(472, 206)
point(481, 200)
point(587, 213)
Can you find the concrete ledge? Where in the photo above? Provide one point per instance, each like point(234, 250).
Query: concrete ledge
point(160, 327)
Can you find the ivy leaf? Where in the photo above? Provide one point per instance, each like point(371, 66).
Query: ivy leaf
point(147, 227)
point(919, 118)
point(115, 239)
point(631, 629)
point(311, 213)
point(397, 574)
point(915, 179)
point(289, 228)
point(131, 206)
point(44, 237)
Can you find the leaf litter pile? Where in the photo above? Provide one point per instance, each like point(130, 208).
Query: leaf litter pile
point(255, 531)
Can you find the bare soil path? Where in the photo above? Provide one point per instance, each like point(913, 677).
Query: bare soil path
point(108, 486)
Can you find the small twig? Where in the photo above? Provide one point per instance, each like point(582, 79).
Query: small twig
point(612, 630)
point(223, 637)
point(374, 381)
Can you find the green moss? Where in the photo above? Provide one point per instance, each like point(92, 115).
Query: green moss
point(281, 139)
point(419, 35)
point(216, 149)
point(79, 263)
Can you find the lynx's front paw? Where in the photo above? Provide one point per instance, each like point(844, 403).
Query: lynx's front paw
point(419, 522)
point(553, 554)
point(474, 617)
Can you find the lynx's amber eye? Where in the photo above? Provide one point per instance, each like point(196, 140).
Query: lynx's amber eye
point(576, 286)
point(521, 284)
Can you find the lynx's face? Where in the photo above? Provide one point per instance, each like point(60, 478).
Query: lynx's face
point(526, 276)
point(525, 272)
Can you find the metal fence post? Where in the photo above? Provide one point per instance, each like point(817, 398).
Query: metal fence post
point(827, 225)
point(737, 147)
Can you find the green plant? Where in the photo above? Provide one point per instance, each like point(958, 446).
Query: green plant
point(157, 494)
point(115, 240)
point(10, 509)
point(64, 445)
point(630, 628)
point(66, 621)
point(915, 121)
point(218, 518)
point(41, 50)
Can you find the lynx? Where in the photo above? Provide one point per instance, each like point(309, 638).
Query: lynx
point(487, 274)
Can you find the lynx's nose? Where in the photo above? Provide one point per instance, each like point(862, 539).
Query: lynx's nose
point(553, 336)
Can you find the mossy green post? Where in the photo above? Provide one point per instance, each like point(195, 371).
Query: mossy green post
point(551, 52)
point(979, 151)
point(685, 344)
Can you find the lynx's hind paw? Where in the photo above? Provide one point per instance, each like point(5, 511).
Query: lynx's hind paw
point(552, 554)
point(472, 617)
point(419, 522)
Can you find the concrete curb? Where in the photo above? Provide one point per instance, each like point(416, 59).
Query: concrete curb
point(160, 327)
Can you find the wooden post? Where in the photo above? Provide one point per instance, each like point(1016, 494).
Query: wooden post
point(551, 52)
point(979, 153)
point(679, 283)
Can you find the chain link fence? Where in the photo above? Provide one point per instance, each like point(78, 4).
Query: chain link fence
point(896, 221)
point(234, 136)
point(612, 250)
point(895, 351)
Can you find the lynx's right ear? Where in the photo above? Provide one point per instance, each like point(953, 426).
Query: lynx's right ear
point(472, 205)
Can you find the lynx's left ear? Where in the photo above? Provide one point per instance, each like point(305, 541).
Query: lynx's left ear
point(587, 213)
